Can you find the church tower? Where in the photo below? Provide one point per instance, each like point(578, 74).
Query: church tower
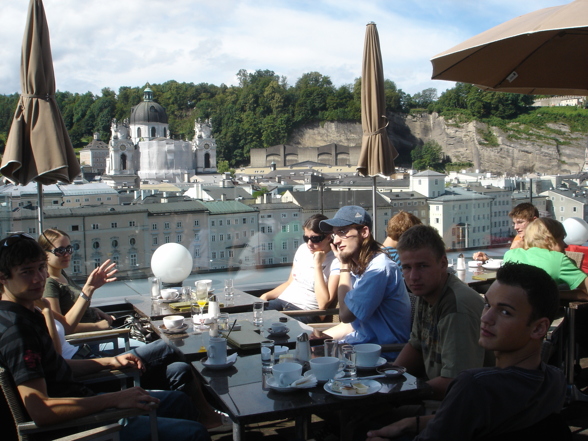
point(204, 147)
point(123, 157)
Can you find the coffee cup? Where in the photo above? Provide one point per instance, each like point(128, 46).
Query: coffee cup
point(278, 328)
point(169, 294)
point(367, 354)
point(325, 368)
point(280, 350)
point(217, 350)
point(286, 373)
point(173, 321)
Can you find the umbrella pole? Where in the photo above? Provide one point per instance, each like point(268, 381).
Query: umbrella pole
point(375, 209)
point(40, 206)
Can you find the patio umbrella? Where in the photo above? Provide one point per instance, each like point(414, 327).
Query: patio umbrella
point(377, 153)
point(543, 52)
point(38, 147)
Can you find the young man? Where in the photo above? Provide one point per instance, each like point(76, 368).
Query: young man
point(446, 322)
point(45, 380)
point(521, 390)
point(372, 295)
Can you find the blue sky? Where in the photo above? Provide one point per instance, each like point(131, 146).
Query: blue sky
point(106, 43)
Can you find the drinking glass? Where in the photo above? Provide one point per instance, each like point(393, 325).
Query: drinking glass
point(258, 314)
point(331, 348)
point(267, 355)
point(155, 287)
point(223, 322)
point(202, 300)
point(229, 292)
point(186, 293)
point(348, 356)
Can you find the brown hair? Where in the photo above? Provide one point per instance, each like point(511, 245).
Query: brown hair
point(312, 223)
point(48, 236)
point(421, 236)
point(399, 223)
point(544, 233)
point(524, 211)
point(23, 249)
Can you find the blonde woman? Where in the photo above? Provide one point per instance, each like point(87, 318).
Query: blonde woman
point(544, 247)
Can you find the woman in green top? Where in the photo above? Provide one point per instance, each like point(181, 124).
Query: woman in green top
point(62, 292)
point(544, 247)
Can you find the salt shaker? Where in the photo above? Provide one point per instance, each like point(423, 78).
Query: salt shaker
point(302, 347)
point(213, 306)
point(461, 266)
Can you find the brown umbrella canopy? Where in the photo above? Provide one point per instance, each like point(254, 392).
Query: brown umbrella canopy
point(377, 152)
point(38, 146)
point(543, 52)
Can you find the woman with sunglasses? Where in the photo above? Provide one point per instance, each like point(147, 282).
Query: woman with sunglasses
point(314, 277)
point(62, 292)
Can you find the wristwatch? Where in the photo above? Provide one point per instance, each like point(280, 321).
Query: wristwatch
point(85, 297)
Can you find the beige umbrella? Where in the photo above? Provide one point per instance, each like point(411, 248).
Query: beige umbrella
point(543, 52)
point(377, 152)
point(38, 146)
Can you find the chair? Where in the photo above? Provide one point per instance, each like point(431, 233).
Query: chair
point(97, 337)
point(27, 430)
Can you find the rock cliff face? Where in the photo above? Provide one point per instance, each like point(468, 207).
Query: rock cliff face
point(551, 150)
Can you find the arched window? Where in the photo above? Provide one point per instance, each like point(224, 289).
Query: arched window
point(207, 160)
point(123, 162)
point(138, 132)
point(132, 241)
point(114, 243)
point(153, 132)
point(96, 245)
point(164, 133)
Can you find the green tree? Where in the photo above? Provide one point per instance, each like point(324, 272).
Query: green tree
point(427, 156)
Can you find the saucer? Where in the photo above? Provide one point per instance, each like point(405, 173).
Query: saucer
point(179, 330)
point(392, 371)
point(493, 264)
point(338, 376)
point(278, 334)
point(381, 361)
point(175, 299)
point(271, 382)
point(373, 387)
point(217, 366)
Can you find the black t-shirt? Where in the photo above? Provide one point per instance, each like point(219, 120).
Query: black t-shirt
point(27, 351)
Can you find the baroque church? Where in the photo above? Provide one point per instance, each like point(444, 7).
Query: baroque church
point(141, 149)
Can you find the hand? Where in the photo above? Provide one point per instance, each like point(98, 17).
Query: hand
point(336, 252)
point(136, 397)
point(126, 361)
point(319, 257)
point(102, 325)
point(101, 275)
point(43, 304)
point(385, 433)
point(107, 317)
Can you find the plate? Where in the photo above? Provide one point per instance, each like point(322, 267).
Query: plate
point(271, 382)
point(392, 371)
point(373, 387)
point(338, 376)
point(493, 264)
point(475, 263)
point(381, 361)
point(179, 330)
point(278, 334)
point(216, 367)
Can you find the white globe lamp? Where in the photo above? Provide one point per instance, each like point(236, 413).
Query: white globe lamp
point(172, 263)
point(576, 231)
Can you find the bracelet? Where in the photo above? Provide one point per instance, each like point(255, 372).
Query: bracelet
point(85, 297)
point(418, 423)
point(344, 270)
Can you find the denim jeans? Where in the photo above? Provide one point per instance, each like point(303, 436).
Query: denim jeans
point(174, 421)
point(166, 368)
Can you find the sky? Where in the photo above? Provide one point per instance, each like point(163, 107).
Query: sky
point(107, 43)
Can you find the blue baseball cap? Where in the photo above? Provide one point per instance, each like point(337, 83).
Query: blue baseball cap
point(348, 215)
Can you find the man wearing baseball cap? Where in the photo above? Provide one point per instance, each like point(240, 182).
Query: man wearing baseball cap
point(372, 294)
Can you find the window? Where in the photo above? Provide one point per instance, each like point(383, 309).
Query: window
point(244, 220)
point(269, 229)
point(96, 245)
point(98, 199)
point(296, 244)
point(252, 220)
point(252, 233)
point(196, 223)
point(284, 228)
point(132, 241)
point(228, 236)
point(75, 228)
point(96, 262)
point(32, 230)
point(197, 237)
point(263, 261)
point(561, 209)
point(68, 201)
point(284, 245)
point(236, 236)
point(115, 259)
point(231, 253)
point(221, 237)
point(262, 229)
point(78, 200)
point(86, 199)
point(114, 243)
point(237, 221)
point(574, 209)
point(228, 222)
point(154, 226)
point(437, 220)
point(284, 215)
point(76, 246)
point(263, 247)
point(166, 225)
point(213, 238)
point(222, 254)
point(270, 246)
point(178, 224)
point(95, 226)
point(108, 198)
point(296, 228)
point(133, 259)
point(113, 225)
point(77, 266)
point(270, 261)
point(166, 239)
point(154, 241)
point(285, 259)
point(132, 224)
point(220, 222)
point(212, 223)
point(244, 233)
point(294, 214)
point(197, 252)
point(269, 216)
point(179, 238)
point(247, 259)
point(213, 255)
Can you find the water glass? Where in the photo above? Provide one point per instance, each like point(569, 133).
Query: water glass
point(155, 287)
point(258, 314)
point(229, 298)
point(222, 322)
point(186, 293)
point(331, 348)
point(229, 284)
point(267, 355)
point(348, 356)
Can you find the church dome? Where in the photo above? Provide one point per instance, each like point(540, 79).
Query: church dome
point(148, 111)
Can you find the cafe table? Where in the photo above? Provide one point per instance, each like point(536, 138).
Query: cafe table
point(243, 393)
point(192, 341)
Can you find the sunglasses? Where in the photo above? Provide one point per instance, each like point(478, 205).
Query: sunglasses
point(62, 251)
point(11, 240)
point(314, 239)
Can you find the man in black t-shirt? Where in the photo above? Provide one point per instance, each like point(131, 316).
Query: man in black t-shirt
point(45, 380)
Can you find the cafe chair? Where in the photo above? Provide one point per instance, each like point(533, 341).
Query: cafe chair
point(27, 430)
point(98, 337)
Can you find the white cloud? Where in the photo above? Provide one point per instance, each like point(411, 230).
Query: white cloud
point(103, 43)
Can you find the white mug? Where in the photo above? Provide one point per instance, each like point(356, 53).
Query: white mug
point(169, 294)
point(367, 354)
point(325, 368)
point(217, 350)
point(286, 373)
point(278, 328)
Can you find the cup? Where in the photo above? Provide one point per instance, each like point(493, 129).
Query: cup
point(348, 356)
point(267, 354)
point(223, 322)
point(169, 294)
point(367, 354)
point(325, 368)
point(217, 350)
point(208, 283)
point(280, 350)
point(286, 373)
point(258, 314)
point(331, 348)
point(278, 328)
point(154, 287)
point(173, 321)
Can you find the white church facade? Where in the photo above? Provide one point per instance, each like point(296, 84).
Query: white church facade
point(141, 149)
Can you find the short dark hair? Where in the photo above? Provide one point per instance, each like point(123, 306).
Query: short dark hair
point(525, 211)
point(399, 223)
point(16, 250)
point(541, 289)
point(312, 223)
point(421, 236)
